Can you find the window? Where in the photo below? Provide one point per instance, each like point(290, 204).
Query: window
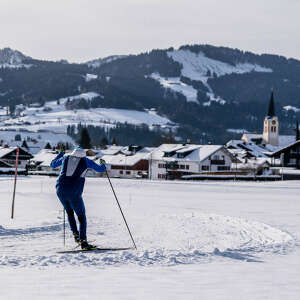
point(161, 176)
point(182, 166)
point(121, 172)
point(162, 166)
point(205, 168)
point(187, 167)
point(223, 168)
point(128, 172)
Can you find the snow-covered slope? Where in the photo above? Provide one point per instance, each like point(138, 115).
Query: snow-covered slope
point(55, 117)
point(174, 84)
point(198, 67)
point(12, 59)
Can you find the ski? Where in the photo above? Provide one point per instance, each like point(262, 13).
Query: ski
point(97, 250)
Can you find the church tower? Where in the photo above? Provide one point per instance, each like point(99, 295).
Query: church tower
point(271, 125)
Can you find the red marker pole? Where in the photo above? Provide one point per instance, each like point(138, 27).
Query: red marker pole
point(15, 184)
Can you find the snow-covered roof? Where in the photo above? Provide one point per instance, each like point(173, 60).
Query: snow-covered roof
point(280, 150)
point(283, 140)
point(199, 152)
point(188, 148)
point(159, 152)
point(112, 150)
point(44, 157)
point(124, 160)
point(203, 152)
point(4, 151)
point(251, 148)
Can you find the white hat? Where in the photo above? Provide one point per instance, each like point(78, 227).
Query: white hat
point(78, 152)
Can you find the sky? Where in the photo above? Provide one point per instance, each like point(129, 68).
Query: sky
point(81, 30)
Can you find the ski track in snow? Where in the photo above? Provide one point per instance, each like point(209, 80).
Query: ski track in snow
point(187, 239)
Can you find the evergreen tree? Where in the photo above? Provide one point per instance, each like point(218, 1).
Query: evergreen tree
point(24, 145)
point(103, 142)
point(48, 146)
point(85, 140)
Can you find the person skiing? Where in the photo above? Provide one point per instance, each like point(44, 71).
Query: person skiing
point(69, 188)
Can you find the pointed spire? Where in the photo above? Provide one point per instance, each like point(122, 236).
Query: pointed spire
point(271, 112)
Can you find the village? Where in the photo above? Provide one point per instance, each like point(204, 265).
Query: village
point(266, 156)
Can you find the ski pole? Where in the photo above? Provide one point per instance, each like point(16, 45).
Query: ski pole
point(64, 227)
point(15, 184)
point(120, 210)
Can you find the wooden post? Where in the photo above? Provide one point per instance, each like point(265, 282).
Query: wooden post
point(15, 184)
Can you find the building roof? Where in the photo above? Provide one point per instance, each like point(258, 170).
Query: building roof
point(283, 149)
point(125, 160)
point(199, 152)
point(44, 157)
point(6, 150)
point(203, 152)
point(283, 140)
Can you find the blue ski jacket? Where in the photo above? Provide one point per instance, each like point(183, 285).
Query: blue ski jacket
point(71, 178)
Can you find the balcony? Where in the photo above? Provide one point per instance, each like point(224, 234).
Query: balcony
point(217, 162)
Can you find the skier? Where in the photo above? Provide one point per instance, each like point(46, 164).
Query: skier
point(69, 188)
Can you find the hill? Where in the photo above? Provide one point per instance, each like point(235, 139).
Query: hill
point(212, 93)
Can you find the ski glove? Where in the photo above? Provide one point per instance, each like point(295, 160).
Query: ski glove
point(102, 161)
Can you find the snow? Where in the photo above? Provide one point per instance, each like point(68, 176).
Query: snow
point(58, 117)
point(293, 108)
point(123, 160)
point(174, 84)
point(200, 68)
point(203, 240)
point(15, 66)
point(89, 77)
point(85, 96)
point(196, 66)
point(41, 138)
point(239, 131)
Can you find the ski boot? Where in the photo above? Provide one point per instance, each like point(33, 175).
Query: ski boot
point(86, 246)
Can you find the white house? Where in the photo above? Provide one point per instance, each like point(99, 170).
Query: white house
point(172, 161)
point(131, 162)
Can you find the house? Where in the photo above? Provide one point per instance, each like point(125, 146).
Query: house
point(172, 161)
point(129, 162)
point(8, 159)
point(41, 162)
point(288, 156)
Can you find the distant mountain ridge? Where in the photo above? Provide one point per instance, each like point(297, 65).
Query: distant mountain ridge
point(211, 92)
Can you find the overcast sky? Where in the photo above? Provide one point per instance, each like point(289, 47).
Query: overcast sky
point(79, 30)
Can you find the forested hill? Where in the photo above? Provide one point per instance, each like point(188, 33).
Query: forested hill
point(205, 89)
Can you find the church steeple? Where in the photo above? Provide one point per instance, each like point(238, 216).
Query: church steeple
point(271, 125)
point(271, 112)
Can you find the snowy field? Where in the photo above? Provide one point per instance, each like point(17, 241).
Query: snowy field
point(201, 240)
point(56, 118)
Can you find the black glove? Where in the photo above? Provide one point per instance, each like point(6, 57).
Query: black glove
point(102, 161)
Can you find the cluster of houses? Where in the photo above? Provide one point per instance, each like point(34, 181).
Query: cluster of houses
point(259, 156)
